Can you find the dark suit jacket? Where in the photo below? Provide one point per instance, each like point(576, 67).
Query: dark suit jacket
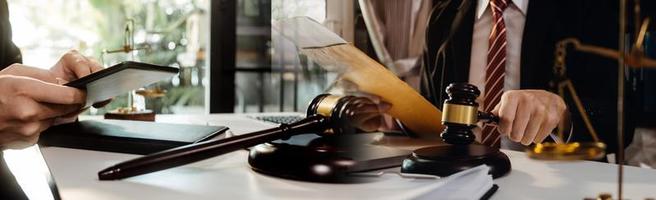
point(547, 22)
point(9, 53)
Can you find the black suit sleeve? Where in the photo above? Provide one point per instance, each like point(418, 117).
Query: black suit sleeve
point(9, 53)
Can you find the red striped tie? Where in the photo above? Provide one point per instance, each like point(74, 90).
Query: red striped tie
point(495, 70)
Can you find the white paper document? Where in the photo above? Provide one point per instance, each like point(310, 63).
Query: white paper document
point(470, 184)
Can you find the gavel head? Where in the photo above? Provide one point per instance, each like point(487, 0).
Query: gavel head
point(347, 114)
point(460, 113)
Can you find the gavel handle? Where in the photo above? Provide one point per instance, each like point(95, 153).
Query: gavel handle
point(204, 150)
point(488, 118)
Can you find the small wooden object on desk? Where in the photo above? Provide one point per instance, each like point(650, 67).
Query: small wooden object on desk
point(131, 114)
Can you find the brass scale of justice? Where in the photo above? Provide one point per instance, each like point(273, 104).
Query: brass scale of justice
point(130, 112)
point(635, 58)
point(595, 150)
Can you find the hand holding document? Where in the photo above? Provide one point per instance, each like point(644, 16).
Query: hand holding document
point(334, 54)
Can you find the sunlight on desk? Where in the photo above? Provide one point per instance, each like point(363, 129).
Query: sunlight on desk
point(31, 172)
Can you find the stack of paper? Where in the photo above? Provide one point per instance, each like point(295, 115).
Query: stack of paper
point(472, 184)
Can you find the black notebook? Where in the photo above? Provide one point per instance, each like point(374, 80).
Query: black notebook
point(135, 137)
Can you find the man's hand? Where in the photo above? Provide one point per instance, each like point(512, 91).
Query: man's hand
point(30, 106)
point(33, 99)
point(529, 116)
point(371, 117)
point(73, 65)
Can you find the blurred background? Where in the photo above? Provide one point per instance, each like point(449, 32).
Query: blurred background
point(233, 63)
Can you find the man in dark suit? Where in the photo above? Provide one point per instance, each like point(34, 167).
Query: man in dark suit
point(32, 99)
point(526, 32)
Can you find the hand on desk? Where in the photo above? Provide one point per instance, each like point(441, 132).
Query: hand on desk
point(33, 99)
point(529, 116)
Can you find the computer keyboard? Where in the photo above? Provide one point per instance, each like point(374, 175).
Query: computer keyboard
point(280, 119)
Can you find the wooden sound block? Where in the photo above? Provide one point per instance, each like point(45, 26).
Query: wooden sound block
point(329, 159)
point(144, 115)
point(450, 159)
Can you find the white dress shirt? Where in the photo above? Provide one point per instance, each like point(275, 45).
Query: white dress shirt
point(514, 17)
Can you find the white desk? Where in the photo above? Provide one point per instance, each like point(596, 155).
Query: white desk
point(229, 177)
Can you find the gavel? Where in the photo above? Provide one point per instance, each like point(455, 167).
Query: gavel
point(460, 115)
point(328, 115)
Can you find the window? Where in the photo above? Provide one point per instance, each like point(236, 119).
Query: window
point(315, 9)
point(269, 75)
point(166, 32)
point(252, 69)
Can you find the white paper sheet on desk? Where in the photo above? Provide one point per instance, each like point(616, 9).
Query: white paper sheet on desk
point(467, 185)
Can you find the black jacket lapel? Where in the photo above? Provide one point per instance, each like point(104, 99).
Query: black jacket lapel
point(538, 44)
point(461, 48)
point(457, 51)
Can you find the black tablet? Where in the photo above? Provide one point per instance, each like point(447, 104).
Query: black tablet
point(120, 79)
